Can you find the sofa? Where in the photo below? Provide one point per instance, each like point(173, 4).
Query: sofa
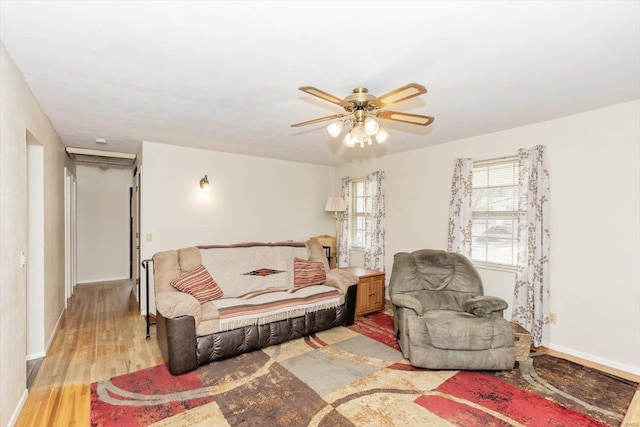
point(218, 301)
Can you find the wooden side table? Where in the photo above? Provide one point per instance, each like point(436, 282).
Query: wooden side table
point(370, 295)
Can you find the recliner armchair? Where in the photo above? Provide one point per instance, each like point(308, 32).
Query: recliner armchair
point(442, 319)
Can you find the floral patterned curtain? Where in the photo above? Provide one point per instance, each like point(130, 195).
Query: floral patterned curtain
point(460, 215)
point(374, 221)
point(343, 244)
point(531, 293)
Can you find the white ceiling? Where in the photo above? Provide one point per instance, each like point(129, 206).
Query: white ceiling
point(224, 75)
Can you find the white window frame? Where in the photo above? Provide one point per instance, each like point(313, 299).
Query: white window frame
point(355, 213)
point(492, 215)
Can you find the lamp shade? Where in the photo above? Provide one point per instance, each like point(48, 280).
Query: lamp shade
point(335, 128)
point(371, 126)
point(335, 204)
point(382, 136)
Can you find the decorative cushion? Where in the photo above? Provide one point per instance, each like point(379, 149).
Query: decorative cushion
point(308, 273)
point(198, 283)
point(317, 253)
point(189, 258)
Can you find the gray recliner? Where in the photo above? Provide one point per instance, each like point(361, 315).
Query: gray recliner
point(442, 320)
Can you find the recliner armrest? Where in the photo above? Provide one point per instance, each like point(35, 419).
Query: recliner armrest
point(172, 304)
point(407, 301)
point(484, 306)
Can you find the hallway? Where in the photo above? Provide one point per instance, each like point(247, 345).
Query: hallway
point(101, 335)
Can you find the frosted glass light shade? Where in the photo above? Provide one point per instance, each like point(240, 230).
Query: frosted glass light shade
point(359, 135)
point(382, 136)
point(371, 126)
point(348, 141)
point(335, 128)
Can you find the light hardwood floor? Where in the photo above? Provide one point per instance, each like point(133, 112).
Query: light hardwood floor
point(100, 336)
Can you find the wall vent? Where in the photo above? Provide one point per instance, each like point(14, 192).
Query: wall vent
point(103, 159)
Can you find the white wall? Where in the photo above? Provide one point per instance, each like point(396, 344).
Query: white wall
point(251, 199)
point(595, 221)
point(20, 113)
point(103, 223)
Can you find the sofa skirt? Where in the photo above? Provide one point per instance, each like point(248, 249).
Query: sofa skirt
point(184, 352)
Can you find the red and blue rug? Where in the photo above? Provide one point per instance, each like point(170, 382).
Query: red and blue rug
point(356, 376)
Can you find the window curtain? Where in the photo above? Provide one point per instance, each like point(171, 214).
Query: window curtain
point(531, 293)
point(374, 221)
point(460, 215)
point(343, 244)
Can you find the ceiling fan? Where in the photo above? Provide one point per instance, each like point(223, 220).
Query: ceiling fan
point(361, 108)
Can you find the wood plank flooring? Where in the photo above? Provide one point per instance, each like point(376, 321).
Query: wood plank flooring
point(101, 335)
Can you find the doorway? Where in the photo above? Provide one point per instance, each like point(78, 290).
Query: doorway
point(34, 257)
point(135, 233)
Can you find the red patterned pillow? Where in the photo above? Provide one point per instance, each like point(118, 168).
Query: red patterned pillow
point(199, 283)
point(308, 273)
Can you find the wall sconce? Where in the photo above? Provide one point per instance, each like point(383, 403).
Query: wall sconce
point(204, 183)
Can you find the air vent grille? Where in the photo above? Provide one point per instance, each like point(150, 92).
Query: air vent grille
point(100, 157)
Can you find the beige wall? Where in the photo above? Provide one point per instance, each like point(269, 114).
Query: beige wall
point(103, 223)
point(19, 113)
point(251, 199)
point(595, 221)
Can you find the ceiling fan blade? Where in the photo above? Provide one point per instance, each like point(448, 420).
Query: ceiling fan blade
point(321, 119)
point(324, 95)
point(414, 119)
point(400, 94)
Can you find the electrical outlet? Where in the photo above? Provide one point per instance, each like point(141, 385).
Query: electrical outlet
point(552, 318)
point(149, 237)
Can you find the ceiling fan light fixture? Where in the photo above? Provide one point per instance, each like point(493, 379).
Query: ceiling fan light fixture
point(371, 126)
point(348, 141)
point(361, 111)
point(359, 135)
point(382, 135)
point(335, 128)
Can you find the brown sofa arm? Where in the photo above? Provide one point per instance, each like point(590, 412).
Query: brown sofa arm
point(173, 304)
point(177, 342)
point(341, 280)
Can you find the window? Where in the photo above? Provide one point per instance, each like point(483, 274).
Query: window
point(360, 205)
point(495, 212)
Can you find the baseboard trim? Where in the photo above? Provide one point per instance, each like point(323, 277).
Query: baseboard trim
point(109, 279)
point(604, 365)
point(38, 355)
point(55, 330)
point(16, 412)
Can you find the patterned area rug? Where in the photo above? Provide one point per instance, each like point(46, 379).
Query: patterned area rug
point(357, 377)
